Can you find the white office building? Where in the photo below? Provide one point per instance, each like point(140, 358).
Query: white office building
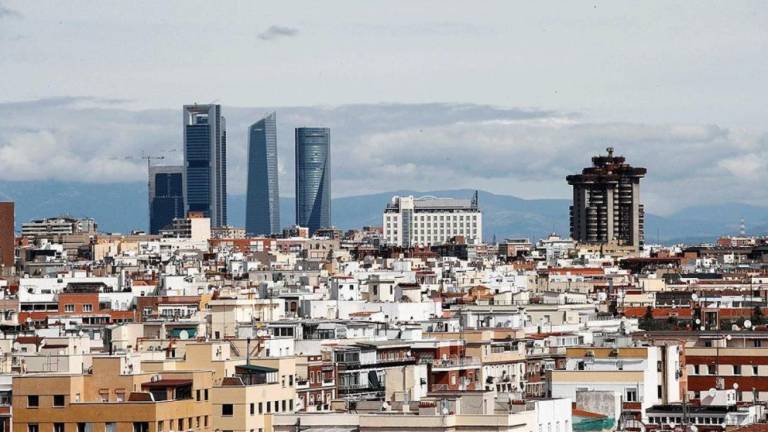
point(424, 221)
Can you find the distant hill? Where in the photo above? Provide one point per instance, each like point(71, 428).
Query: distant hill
point(120, 207)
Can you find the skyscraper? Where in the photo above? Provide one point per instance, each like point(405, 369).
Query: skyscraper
point(262, 208)
point(166, 196)
point(606, 202)
point(313, 178)
point(7, 237)
point(205, 162)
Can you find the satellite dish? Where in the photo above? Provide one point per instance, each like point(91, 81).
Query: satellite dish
point(183, 335)
point(694, 297)
point(735, 386)
point(261, 333)
point(712, 392)
point(747, 324)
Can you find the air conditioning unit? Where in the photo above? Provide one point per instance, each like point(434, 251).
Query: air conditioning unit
point(155, 378)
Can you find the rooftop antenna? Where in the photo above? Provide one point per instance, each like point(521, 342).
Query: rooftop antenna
point(610, 151)
point(475, 200)
point(742, 228)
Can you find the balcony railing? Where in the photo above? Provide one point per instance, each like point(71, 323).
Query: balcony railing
point(453, 363)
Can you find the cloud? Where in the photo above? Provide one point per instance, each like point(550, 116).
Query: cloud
point(6, 12)
point(388, 147)
point(277, 31)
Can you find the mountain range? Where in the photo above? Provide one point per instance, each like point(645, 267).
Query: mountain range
point(121, 207)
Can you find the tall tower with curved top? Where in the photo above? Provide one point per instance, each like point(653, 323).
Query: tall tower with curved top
point(313, 178)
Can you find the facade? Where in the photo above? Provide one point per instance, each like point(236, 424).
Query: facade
point(194, 227)
point(205, 162)
point(606, 202)
point(247, 401)
point(166, 196)
point(262, 208)
point(313, 178)
point(7, 236)
point(640, 376)
point(410, 221)
point(112, 399)
point(55, 227)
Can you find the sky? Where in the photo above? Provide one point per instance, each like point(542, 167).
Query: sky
point(504, 96)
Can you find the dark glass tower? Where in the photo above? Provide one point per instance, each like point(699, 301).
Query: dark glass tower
point(262, 208)
point(313, 178)
point(166, 196)
point(205, 162)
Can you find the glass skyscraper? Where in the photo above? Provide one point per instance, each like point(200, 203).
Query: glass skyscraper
point(166, 196)
point(313, 178)
point(262, 208)
point(205, 162)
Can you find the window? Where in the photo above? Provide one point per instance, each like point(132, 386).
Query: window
point(197, 395)
point(58, 427)
point(69, 308)
point(87, 308)
point(290, 404)
point(206, 394)
point(737, 369)
point(269, 407)
point(110, 427)
point(754, 370)
point(631, 394)
point(33, 401)
point(253, 408)
point(58, 401)
point(277, 406)
point(32, 427)
point(140, 427)
point(284, 406)
point(659, 392)
point(227, 410)
point(261, 408)
point(160, 426)
point(205, 421)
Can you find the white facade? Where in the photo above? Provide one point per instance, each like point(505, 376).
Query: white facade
point(410, 221)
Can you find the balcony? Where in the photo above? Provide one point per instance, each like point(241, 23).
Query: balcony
point(452, 363)
point(358, 389)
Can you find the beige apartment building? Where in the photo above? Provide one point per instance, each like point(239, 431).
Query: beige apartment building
point(112, 398)
point(247, 401)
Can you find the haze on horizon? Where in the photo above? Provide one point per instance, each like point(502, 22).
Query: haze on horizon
point(503, 96)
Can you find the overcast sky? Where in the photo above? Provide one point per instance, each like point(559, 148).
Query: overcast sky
point(679, 87)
